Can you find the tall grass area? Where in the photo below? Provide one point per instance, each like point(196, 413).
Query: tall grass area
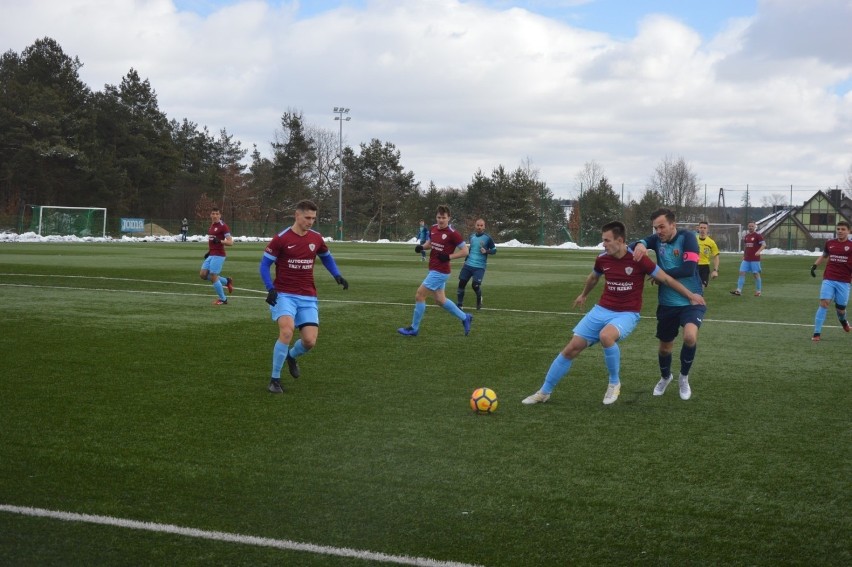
point(125, 393)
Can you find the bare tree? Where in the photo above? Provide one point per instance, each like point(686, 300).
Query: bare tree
point(326, 145)
point(677, 184)
point(589, 177)
point(774, 200)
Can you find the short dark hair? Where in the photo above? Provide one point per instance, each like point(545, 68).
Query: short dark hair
point(843, 223)
point(306, 205)
point(215, 210)
point(617, 229)
point(443, 210)
point(670, 216)
point(704, 222)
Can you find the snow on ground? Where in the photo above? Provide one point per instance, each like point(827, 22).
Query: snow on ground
point(33, 237)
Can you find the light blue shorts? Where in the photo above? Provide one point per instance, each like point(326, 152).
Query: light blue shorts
point(591, 325)
point(753, 267)
point(303, 309)
point(836, 291)
point(436, 281)
point(213, 264)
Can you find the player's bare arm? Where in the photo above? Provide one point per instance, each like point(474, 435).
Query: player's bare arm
point(639, 251)
point(460, 253)
point(694, 298)
point(590, 284)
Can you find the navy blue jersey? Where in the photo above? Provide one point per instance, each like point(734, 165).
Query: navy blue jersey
point(679, 259)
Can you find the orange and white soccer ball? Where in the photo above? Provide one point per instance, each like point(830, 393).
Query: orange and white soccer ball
point(484, 400)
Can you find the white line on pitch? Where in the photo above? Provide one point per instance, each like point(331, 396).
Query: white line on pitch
point(359, 302)
point(232, 538)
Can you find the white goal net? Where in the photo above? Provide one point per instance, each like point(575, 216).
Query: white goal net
point(726, 236)
point(49, 220)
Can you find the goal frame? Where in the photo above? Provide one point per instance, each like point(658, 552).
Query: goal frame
point(41, 209)
point(693, 226)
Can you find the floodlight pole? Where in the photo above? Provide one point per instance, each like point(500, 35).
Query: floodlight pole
point(340, 111)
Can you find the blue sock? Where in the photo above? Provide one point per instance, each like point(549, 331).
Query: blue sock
point(740, 282)
point(298, 349)
point(217, 287)
point(558, 369)
point(454, 309)
point(758, 284)
point(279, 353)
point(687, 356)
point(612, 358)
point(819, 319)
point(665, 365)
point(419, 310)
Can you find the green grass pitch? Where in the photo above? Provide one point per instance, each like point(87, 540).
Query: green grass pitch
point(125, 393)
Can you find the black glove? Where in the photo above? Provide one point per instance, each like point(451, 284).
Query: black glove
point(813, 271)
point(342, 281)
point(418, 248)
point(207, 255)
point(272, 297)
point(215, 240)
point(444, 257)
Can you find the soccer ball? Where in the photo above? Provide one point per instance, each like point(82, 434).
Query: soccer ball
point(483, 400)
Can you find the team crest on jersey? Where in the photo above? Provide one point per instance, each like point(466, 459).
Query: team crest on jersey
point(443, 237)
point(676, 252)
point(628, 270)
point(312, 247)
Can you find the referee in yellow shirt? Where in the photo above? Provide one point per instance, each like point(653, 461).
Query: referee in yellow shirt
point(707, 250)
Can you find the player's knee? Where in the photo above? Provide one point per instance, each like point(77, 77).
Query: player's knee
point(476, 285)
point(840, 308)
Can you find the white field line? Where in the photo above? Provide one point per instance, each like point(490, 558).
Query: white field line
point(324, 300)
point(231, 538)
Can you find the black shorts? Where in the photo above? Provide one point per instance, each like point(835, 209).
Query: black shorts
point(670, 319)
point(704, 274)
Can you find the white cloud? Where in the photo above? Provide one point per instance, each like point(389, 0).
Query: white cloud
point(460, 86)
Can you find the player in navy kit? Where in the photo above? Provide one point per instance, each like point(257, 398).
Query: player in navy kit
point(481, 246)
point(292, 297)
point(678, 254)
point(616, 314)
point(218, 236)
point(836, 279)
point(422, 237)
point(445, 243)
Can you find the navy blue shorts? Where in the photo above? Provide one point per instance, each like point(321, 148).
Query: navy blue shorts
point(468, 272)
point(670, 319)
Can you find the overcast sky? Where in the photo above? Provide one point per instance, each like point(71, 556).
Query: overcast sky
point(755, 92)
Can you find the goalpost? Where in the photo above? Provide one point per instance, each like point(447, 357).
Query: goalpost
point(726, 236)
point(78, 221)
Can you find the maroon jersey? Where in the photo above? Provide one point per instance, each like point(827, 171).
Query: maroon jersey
point(839, 266)
point(221, 231)
point(443, 240)
point(294, 257)
point(625, 280)
point(752, 242)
